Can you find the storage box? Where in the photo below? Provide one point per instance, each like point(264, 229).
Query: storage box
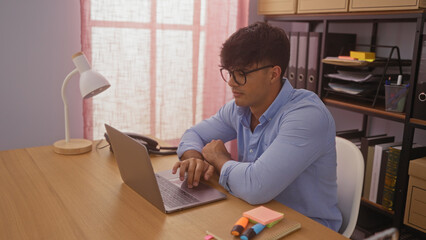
point(395, 96)
point(415, 209)
point(271, 7)
point(317, 6)
point(364, 56)
point(381, 5)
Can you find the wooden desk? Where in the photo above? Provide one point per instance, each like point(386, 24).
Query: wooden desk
point(44, 195)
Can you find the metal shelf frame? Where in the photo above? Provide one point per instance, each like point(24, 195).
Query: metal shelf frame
point(410, 124)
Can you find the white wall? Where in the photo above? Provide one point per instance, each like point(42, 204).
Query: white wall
point(37, 40)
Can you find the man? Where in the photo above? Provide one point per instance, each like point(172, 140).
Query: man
point(285, 137)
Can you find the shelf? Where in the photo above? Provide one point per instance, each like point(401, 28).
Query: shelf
point(371, 213)
point(377, 207)
point(352, 64)
point(364, 108)
point(418, 123)
point(397, 16)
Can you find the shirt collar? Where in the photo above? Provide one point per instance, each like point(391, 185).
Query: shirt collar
point(282, 99)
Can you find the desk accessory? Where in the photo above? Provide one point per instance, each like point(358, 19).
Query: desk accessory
point(239, 226)
point(91, 84)
point(252, 232)
point(263, 215)
point(276, 225)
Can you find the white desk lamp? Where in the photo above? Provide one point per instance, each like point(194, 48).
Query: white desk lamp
point(91, 84)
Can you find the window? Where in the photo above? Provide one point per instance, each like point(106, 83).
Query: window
point(161, 58)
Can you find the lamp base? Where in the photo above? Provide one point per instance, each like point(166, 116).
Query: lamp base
point(74, 146)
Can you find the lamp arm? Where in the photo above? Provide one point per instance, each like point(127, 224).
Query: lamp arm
point(64, 84)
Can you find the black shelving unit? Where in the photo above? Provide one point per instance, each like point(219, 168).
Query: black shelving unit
point(410, 124)
point(376, 86)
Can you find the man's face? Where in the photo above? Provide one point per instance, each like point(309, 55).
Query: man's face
point(254, 92)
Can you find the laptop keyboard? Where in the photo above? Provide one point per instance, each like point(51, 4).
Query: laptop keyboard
point(172, 195)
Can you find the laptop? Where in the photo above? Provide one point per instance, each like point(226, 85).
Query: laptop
point(164, 190)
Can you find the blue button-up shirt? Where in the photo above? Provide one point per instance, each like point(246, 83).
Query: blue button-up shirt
point(290, 156)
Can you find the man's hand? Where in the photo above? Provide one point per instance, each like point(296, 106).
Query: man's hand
point(216, 154)
point(195, 167)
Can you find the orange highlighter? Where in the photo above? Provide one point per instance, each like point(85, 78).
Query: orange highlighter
point(239, 226)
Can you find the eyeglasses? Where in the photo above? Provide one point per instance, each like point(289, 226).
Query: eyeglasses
point(239, 76)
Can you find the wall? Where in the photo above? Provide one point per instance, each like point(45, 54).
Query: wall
point(346, 120)
point(37, 40)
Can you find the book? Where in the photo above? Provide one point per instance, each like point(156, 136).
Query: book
point(378, 151)
point(391, 174)
point(390, 178)
point(367, 150)
point(367, 175)
point(382, 175)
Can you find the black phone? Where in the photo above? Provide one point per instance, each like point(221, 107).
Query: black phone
point(151, 145)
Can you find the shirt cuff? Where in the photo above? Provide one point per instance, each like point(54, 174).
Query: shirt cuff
point(224, 174)
point(183, 148)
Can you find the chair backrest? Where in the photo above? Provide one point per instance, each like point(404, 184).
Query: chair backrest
point(350, 177)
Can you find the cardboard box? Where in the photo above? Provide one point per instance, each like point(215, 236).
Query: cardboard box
point(318, 6)
point(415, 209)
point(385, 5)
point(272, 7)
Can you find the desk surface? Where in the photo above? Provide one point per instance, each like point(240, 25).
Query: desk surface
point(45, 195)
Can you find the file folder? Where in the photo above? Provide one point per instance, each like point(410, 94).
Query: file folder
point(292, 64)
point(419, 103)
point(286, 70)
point(302, 60)
point(314, 52)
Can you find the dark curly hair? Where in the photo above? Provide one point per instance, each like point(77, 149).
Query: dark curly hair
point(259, 42)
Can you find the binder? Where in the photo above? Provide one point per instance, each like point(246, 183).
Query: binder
point(292, 64)
point(419, 103)
point(302, 54)
point(314, 52)
point(286, 70)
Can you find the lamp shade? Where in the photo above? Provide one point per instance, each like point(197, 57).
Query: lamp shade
point(92, 83)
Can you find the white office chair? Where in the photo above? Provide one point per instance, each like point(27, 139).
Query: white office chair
point(350, 177)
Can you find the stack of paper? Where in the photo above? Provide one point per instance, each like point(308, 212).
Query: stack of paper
point(353, 76)
point(344, 62)
point(353, 89)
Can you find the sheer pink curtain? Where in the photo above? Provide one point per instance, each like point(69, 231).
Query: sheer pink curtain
point(161, 58)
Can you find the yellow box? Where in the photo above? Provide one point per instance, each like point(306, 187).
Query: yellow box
point(271, 7)
point(385, 5)
point(415, 209)
point(317, 6)
point(365, 56)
